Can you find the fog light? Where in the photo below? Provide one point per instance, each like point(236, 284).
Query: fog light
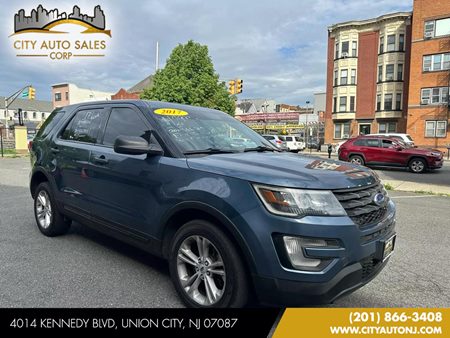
point(294, 247)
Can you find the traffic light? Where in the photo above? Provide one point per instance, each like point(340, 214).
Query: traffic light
point(31, 93)
point(239, 84)
point(232, 87)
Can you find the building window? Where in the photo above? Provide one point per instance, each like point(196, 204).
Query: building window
point(391, 43)
point(380, 73)
point(34, 115)
point(434, 96)
point(344, 49)
point(387, 127)
point(401, 42)
point(436, 62)
point(442, 27)
point(43, 116)
point(398, 101)
point(341, 130)
point(335, 77)
point(337, 51)
point(387, 101)
point(436, 129)
point(25, 115)
point(353, 76)
point(436, 28)
point(354, 48)
point(352, 103)
point(57, 96)
point(381, 45)
point(344, 76)
point(334, 104)
point(379, 102)
point(429, 29)
point(343, 103)
point(389, 72)
point(400, 72)
point(67, 96)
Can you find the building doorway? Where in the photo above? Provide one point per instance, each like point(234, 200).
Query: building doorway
point(364, 128)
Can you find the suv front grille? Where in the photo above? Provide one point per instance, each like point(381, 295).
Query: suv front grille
point(360, 205)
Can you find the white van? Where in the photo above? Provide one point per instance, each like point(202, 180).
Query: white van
point(291, 142)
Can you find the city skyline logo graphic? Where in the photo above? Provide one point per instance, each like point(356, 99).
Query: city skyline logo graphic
point(42, 20)
point(60, 35)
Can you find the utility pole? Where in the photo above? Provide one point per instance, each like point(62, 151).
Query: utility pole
point(157, 57)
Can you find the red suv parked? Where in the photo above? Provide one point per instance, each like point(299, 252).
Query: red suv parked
point(389, 151)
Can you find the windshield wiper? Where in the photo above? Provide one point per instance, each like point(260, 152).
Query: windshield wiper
point(209, 151)
point(260, 149)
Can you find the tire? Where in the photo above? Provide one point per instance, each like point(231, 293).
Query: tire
point(48, 218)
point(417, 165)
point(229, 290)
point(356, 159)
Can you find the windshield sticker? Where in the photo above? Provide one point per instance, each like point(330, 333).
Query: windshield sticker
point(170, 112)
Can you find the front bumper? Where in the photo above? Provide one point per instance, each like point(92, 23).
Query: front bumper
point(272, 291)
point(436, 164)
point(352, 265)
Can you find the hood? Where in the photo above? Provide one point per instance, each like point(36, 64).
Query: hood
point(286, 170)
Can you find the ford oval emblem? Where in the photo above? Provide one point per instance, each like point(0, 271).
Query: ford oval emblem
point(379, 199)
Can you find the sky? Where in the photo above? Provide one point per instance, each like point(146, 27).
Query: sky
point(277, 47)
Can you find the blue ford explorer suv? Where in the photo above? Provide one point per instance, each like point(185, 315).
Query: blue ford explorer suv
point(233, 216)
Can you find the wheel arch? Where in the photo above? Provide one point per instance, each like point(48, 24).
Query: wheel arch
point(189, 211)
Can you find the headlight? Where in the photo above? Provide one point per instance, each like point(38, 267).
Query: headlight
point(434, 154)
point(299, 202)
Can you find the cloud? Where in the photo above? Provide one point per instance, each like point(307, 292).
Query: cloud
point(277, 47)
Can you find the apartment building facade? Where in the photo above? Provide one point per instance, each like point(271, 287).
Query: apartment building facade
point(64, 94)
point(367, 76)
point(428, 106)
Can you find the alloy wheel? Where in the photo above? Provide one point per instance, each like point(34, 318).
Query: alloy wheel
point(44, 209)
point(417, 166)
point(356, 160)
point(201, 270)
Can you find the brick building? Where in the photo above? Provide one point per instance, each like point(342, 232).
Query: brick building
point(367, 76)
point(428, 107)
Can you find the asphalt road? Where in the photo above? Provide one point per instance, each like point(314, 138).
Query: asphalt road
point(439, 176)
point(86, 269)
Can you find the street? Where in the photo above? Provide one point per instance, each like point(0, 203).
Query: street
point(87, 269)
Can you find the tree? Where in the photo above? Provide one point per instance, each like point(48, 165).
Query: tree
point(189, 78)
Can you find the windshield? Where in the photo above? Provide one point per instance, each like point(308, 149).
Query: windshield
point(198, 130)
point(409, 138)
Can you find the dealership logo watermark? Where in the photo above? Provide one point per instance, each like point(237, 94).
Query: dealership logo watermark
point(60, 36)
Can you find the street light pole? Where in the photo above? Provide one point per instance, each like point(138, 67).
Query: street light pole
point(306, 126)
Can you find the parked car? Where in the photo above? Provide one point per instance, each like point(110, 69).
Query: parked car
point(389, 151)
point(338, 145)
point(291, 142)
point(300, 143)
point(404, 137)
point(276, 141)
point(231, 220)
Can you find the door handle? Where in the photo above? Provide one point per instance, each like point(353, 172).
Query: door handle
point(54, 150)
point(100, 159)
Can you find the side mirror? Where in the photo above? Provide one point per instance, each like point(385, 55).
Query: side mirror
point(133, 145)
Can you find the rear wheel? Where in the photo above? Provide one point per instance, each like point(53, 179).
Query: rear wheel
point(205, 267)
point(356, 159)
point(417, 165)
point(48, 218)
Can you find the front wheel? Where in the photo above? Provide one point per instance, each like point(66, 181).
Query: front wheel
point(205, 267)
point(417, 165)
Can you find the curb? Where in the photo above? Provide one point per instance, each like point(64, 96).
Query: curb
point(417, 187)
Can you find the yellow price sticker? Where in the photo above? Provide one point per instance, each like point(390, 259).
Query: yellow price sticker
point(170, 112)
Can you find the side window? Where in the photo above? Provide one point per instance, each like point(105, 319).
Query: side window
point(127, 122)
point(387, 144)
point(85, 126)
point(360, 143)
point(288, 138)
point(373, 143)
